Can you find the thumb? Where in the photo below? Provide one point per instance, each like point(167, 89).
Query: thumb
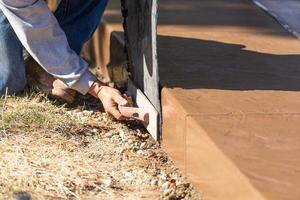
point(115, 113)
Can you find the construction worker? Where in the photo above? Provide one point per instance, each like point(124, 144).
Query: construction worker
point(54, 41)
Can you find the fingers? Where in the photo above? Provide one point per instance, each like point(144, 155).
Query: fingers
point(120, 100)
point(134, 113)
point(115, 113)
point(112, 99)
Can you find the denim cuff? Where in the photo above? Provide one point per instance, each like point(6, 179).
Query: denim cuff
point(84, 83)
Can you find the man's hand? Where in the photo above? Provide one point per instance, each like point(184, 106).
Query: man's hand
point(111, 99)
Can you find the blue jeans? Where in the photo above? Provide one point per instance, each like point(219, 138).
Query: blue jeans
point(78, 18)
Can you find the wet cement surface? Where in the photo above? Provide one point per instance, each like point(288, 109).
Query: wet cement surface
point(231, 100)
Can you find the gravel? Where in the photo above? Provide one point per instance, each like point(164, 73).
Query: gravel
point(81, 153)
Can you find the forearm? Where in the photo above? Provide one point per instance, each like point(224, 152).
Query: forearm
point(41, 35)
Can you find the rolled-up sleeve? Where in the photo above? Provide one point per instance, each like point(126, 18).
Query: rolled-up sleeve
point(42, 36)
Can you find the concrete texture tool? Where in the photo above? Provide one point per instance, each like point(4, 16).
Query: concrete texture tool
point(143, 110)
point(146, 112)
point(140, 20)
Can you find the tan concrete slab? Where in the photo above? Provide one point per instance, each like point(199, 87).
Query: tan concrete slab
point(224, 152)
point(211, 170)
point(231, 100)
point(245, 71)
point(174, 128)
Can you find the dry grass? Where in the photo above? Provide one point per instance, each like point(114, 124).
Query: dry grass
point(37, 155)
point(53, 152)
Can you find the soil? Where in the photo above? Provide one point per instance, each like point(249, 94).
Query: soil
point(79, 152)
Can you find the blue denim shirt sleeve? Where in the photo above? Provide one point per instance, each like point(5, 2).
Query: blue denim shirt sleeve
point(41, 35)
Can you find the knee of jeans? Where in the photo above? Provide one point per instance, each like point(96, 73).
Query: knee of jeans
point(12, 80)
point(18, 3)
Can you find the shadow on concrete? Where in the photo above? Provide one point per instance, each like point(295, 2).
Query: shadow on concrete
point(209, 14)
point(194, 64)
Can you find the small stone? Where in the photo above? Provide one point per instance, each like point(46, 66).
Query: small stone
point(167, 192)
point(121, 151)
point(128, 174)
point(135, 149)
point(77, 110)
point(148, 153)
point(116, 138)
point(125, 181)
point(87, 112)
point(109, 134)
point(107, 182)
point(138, 132)
point(163, 176)
point(165, 185)
point(159, 182)
point(143, 144)
point(145, 136)
point(140, 152)
point(122, 134)
point(128, 146)
point(173, 181)
point(154, 182)
point(130, 141)
point(94, 130)
point(178, 183)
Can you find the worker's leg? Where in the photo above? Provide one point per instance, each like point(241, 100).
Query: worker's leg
point(12, 69)
point(79, 19)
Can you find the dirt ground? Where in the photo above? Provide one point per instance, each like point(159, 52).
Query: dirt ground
point(51, 151)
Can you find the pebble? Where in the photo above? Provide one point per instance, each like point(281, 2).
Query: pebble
point(125, 181)
point(163, 176)
point(167, 192)
point(116, 138)
point(134, 148)
point(87, 112)
point(128, 174)
point(143, 144)
point(140, 152)
point(139, 133)
point(165, 185)
point(178, 183)
point(130, 141)
point(154, 182)
point(159, 182)
point(145, 136)
point(94, 130)
point(122, 134)
point(128, 146)
point(109, 134)
point(107, 182)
